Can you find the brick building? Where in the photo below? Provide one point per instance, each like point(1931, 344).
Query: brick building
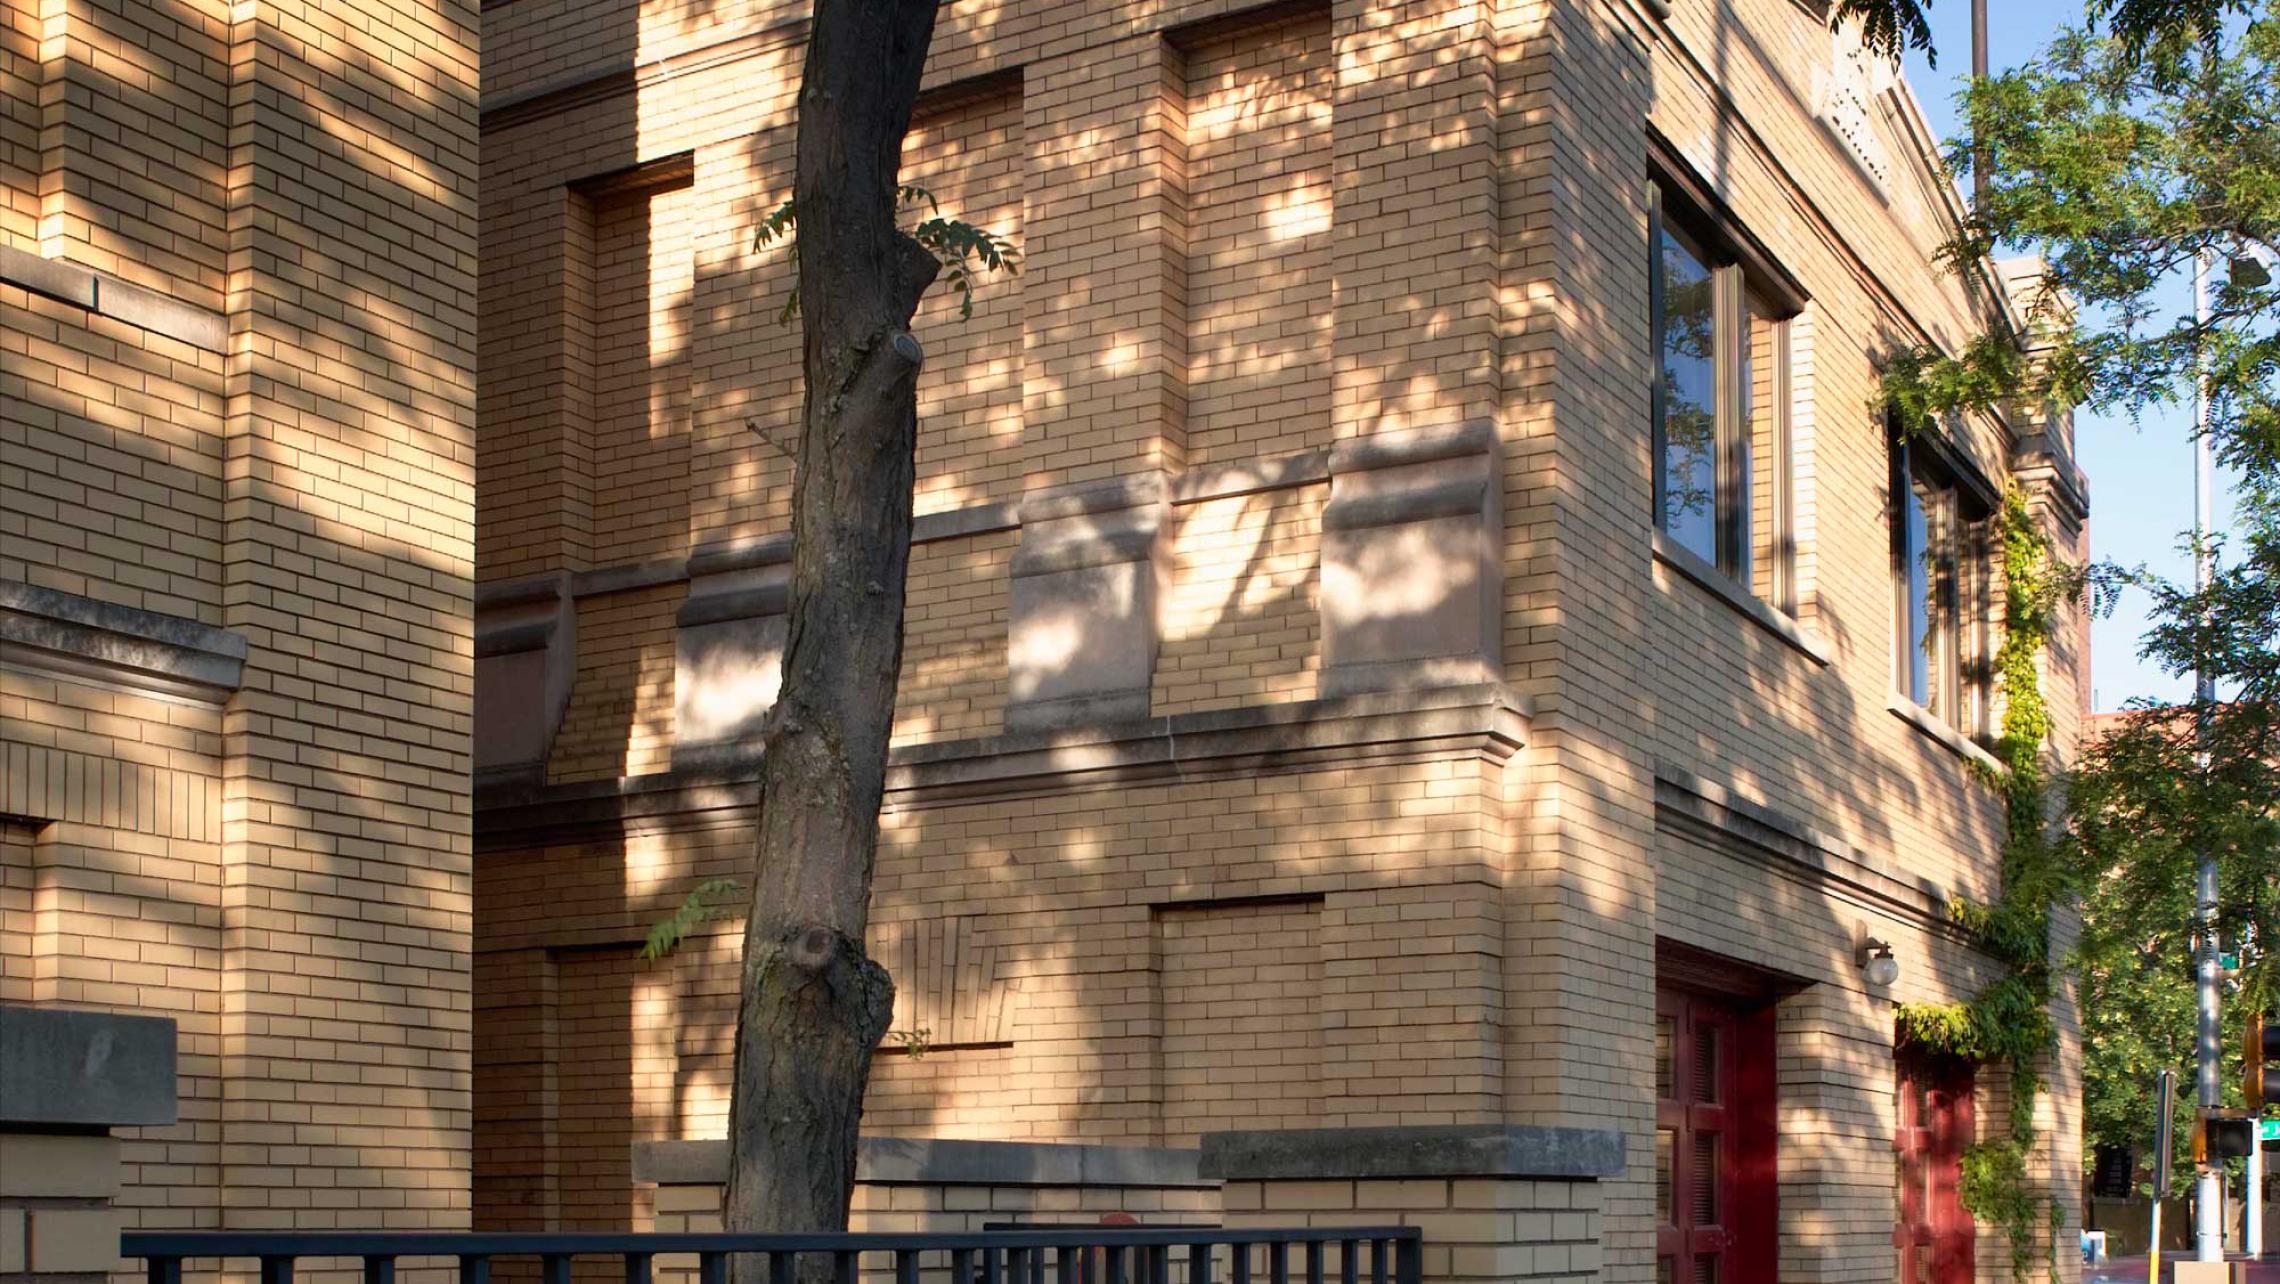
point(1414, 618)
point(1414, 623)
point(237, 411)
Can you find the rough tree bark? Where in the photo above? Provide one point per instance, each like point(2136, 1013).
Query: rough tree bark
point(814, 1006)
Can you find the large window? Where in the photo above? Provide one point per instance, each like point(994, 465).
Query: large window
point(1720, 397)
point(1940, 582)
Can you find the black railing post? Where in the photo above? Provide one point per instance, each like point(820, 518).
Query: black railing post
point(712, 1268)
point(474, 1268)
point(163, 1270)
point(379, 1268)
point(636, 1268)
point(276, 1270)
point(554, 1268)
point(1409, 1262)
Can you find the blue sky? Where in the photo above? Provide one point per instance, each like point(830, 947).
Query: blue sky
point(2141, 475)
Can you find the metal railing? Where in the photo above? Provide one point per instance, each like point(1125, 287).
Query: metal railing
point(1058, 1255)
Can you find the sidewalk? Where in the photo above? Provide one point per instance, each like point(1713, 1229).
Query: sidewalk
point(2131, 1270)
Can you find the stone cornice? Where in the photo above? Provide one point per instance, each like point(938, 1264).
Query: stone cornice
point(77, 636)
point(1485, 721)
point(1753, 831)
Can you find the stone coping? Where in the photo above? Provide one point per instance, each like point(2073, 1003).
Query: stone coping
point(1526, 1151)
point(65, 1068)
point(48, 628)
point(1483, 719)
point(890, 1161)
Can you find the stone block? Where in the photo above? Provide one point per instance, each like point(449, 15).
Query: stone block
point(728, 653)
point(73, 1239)
point(59, 1165)
point(1088, 585)
point(526, 658)
point(1412, 561)
point(13, 1249)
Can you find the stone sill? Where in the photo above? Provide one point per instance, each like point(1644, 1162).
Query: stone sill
point(105, 295)
point(1669, 552)
point(81, 637)
point(1938, 728)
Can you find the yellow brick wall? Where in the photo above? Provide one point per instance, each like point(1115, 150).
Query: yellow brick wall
point(1244, 624)
point(263, 423)
point(1258, 252)
point(620, 720)
point(953, 681)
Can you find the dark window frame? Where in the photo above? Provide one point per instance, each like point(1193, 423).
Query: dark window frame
point(1740, 272)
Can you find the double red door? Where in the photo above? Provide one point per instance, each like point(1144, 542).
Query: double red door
point(1715, 1187)
point(1933, 1233)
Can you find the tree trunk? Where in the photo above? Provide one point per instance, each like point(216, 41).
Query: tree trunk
point(813, 1004)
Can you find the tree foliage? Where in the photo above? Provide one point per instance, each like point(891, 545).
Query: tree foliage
point(964, 250)
point(2142, 140)
point(1892, 27)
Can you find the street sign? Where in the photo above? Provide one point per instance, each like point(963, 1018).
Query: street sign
point(2268, 1130)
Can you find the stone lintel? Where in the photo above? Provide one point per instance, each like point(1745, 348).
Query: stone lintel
point(1522, 1151)
point(64, 1068)
point(890, 1161)
point(50, 629)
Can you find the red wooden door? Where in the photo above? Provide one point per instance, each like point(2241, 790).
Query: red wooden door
point(1933, 1234)
point(1714, 1175)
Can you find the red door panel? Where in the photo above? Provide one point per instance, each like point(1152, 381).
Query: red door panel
point(1932, 1235)
point(1714, 1174)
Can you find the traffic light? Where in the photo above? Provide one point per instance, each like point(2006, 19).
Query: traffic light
point(2226, 1137)
point(2261, 1059)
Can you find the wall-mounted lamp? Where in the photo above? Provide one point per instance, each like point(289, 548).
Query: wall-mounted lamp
point(1877, 966)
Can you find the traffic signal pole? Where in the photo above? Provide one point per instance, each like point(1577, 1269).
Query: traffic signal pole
point(2209, 1193)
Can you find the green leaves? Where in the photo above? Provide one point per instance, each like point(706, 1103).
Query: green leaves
point(705, 903)
point(964, 250)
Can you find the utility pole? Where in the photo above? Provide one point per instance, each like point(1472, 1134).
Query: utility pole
point(2209, 1190)
point(1978, 77)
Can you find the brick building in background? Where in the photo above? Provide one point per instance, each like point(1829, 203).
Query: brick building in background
point(237, 411)
point(1414, 618)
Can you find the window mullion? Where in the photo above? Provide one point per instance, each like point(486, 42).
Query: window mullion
point(1657, 393)
point(1729, 342)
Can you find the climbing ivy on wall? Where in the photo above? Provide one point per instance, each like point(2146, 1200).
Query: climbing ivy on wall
point(2008, 1022)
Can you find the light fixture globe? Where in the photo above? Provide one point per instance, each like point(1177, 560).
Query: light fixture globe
point(1877, 966)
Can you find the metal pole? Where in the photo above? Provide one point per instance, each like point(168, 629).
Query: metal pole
point(1978, 77)
point(2209, 1195)
point(2252, 1208)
